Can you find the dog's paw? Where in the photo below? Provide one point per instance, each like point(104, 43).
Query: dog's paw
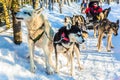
point(33, 68)
point(99, 50)
point(27, 56)
point(50, 70)
point(95, 36)
point(72, 74)
point(81, 67)
point(97, 45)
point(57, 70)
point(112, 46)
point(83, 47)
point(108, 50)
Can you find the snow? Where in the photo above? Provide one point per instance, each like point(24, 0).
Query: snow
point(14, 65)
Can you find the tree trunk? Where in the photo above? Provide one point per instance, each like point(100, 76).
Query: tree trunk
point(47, 3)
point(35, 4)
point(50, 5)
point(63, 2)
point(108, 1)
point(16, 24)
point(68, 1)
point(72, 0)
point(30, 2)
point(20, 3)
point(60, 6)
point(118, 2)
point(33, 1)
point(7, 17)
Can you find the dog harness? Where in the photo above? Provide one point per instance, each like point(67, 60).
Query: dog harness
point(106, 30)
point(64, 38)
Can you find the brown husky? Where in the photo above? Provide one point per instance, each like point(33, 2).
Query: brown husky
point(77, 20)
point(39, 32)
point(109, 28)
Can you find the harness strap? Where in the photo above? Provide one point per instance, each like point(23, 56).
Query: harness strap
point(66, 47)
point(38, 37)
point(64, 38)
point(48, 36)
point(106, 30)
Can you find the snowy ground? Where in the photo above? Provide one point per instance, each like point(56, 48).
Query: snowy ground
point(97, 66)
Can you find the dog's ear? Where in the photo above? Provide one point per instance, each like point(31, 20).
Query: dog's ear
point(71, 18)
point(38, 11)
point(85, 32)
point(118, 22)
point(74, 15)
point(109, 8)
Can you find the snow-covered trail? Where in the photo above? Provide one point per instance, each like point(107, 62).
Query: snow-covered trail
point(97, 65)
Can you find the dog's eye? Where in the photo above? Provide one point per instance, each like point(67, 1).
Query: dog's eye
point(27, 13)
point(113, 28)
point(78, 34)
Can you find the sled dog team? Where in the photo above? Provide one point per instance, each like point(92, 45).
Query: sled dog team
point(65, 41)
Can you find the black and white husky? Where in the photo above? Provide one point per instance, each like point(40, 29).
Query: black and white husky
point(67, 41)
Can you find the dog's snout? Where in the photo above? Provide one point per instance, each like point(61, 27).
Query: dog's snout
point(116, 34)
point(15, 13)
point(83, 40)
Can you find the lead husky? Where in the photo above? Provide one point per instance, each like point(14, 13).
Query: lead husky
point(40, 33)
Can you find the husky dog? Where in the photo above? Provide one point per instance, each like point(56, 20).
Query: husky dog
point(67, 20)
point(107, 27)
point(101, 16)
point(79, 21)
point(40, 33)
point(67, 41)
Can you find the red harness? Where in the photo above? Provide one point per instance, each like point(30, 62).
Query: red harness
point(64, 38)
